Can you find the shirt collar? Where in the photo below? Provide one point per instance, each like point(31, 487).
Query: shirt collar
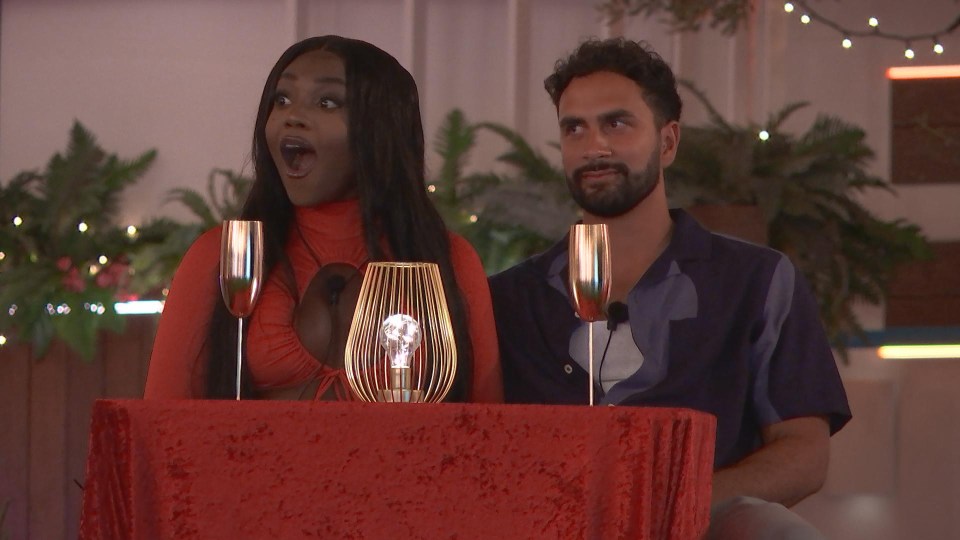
point(690, 241)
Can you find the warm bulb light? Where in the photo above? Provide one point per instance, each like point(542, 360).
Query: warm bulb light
point(873, 22)
point(431, 188)
point(938, 48)
point(131, 231)
point(473, 218)
point(846, 43)
point(918, 352)
point(82, 227)
point(93, 269)
point(805, 19)
point(923, 72)
point(2, 255)
point(788, 7)
point(103, 259)
point(3, 340)
point(908, 53)
point(764, 135)
point(17, 221)
point(139, 307)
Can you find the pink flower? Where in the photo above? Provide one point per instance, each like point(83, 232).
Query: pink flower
point(64, 263)
point(73, 282)
point(105, 279)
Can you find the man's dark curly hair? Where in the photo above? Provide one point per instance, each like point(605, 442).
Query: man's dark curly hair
point(632, 59)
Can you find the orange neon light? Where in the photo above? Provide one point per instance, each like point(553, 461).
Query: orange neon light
point(923, 72)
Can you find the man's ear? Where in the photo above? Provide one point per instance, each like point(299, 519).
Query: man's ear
point(669, 140)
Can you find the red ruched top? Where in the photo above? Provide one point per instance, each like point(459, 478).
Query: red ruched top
point(331, 233)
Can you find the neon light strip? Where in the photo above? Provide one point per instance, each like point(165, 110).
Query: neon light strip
point(918, 352)
point(923, 72)
point(139, 307)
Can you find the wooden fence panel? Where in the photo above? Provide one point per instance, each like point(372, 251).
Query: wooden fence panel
point(45, 407)
point(84, 385)
point(48, 442)
point(14, 433)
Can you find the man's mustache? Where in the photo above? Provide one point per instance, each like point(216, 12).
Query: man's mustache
point(600, 165)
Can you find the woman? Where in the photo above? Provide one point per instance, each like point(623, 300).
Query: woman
point(338, 154)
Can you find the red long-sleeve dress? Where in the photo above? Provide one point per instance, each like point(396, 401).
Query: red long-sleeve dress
point(331, 233)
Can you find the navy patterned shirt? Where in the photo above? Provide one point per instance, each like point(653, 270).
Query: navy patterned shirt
point(716, 324)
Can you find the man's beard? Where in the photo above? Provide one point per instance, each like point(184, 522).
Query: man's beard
point(618, 198)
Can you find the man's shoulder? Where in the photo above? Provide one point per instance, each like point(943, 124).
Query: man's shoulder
point(736, 250)
point(719, 253)
point(528, 272)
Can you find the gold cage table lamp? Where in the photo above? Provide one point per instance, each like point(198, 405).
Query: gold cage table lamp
point(400, 347)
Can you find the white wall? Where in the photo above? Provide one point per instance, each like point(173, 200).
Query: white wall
point(184, 77)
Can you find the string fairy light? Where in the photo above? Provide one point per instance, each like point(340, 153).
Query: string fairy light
point(873, 23)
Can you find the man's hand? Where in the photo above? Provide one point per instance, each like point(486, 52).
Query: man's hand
point(791, 464)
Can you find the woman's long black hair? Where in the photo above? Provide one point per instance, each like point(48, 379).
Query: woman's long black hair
point(387, 148)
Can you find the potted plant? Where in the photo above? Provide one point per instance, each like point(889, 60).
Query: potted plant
point(507, 214)
point(65, 260)
point(805, 190)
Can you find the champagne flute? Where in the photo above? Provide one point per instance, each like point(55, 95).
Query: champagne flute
point(589, 278)
point(241, 273)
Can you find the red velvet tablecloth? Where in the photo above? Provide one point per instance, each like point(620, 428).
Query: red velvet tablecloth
point(277, 470)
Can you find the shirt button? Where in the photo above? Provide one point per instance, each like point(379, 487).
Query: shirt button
point(568, 369)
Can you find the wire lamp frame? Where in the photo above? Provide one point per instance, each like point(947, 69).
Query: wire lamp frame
point(400, 347)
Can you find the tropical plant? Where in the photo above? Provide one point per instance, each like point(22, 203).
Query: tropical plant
point(806, 188)
point(682, 15)
point(167, 240)
point(507, 216)
point(63, 259)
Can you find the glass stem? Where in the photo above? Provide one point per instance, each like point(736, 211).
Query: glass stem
point(239, 352)
point(590, 360)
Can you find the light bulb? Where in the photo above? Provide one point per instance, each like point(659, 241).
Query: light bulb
point(400, 336)
point(908, 53)
point(805, 19)
point(131, 231)
point(788, 7)
point(937, 47)
point(873, 22)
point(846, 43)
point(764, 135)
point(17, 221)
point(82, 227)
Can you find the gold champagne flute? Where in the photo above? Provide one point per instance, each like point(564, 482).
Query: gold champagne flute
point(589, 275)
point(241, 273)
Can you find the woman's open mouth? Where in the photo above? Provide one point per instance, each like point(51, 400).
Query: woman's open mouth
point(298, 155)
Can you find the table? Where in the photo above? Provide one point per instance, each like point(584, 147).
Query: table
point(271, 469)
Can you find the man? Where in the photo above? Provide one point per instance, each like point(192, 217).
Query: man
point(704, 321)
